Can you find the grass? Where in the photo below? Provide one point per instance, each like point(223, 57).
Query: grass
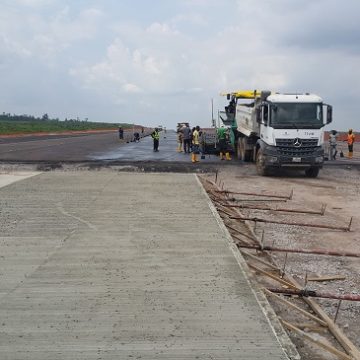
point(8, 127)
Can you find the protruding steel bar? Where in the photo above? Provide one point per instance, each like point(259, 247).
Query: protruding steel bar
point(302, 251)
point(337, 311)
point(282, 273)
point(268, 208)
point(314, 293)
point(288, 197)
point(292, 223)
point(248, 200)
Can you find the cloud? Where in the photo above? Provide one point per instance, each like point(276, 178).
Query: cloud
point(35, 3)
point(35, 34)
point(160, 29)
point(131, 88)
point(177, 56)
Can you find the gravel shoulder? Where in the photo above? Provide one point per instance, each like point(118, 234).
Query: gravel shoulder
point(339, 190)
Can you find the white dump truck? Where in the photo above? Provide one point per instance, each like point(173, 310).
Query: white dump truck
point(278, 130)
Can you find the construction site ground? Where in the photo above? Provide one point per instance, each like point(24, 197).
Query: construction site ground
point(100, 263)
point(339, 190)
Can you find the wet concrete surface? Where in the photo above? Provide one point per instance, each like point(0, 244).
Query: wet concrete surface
point(143, 151)
point(105, 149)
point(58, 148)
point(107, 265)
point(95, 147)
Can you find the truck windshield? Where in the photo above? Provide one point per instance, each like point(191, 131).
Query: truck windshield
point(296, 115)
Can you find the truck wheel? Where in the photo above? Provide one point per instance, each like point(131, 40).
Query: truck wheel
point(261, 169)
point(312, 172)
point(244, 155)
point(238, 150)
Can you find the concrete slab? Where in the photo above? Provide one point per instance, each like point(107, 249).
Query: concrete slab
point(143, 151)
point(107, 265)
point(9, 178)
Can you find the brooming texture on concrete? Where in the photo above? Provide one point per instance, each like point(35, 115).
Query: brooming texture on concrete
point(107, 265)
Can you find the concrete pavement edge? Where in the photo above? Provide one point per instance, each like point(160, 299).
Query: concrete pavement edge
point(280, 333)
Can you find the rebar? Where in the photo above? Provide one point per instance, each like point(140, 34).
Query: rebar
point(321, 226)
point(288, 197)
point(314, 293)
point(267, 208)
point(302, 251)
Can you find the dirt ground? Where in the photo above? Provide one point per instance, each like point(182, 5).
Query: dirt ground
point(339, 190)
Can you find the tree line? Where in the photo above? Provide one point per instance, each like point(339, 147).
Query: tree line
point(12, 123)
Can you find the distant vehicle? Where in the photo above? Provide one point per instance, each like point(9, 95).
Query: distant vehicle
point(278, 130)
point(160, 127)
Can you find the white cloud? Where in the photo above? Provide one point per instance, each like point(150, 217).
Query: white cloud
point(162, 29)
point(131, 88)
point(43, 37)
point(189, 52)
point(8, 46)
point(35, 3)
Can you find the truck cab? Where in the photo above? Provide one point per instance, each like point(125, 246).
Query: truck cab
point(291, 132)
point(280, 130)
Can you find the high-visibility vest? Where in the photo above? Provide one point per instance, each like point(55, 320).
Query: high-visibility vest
point(195, 139)
point(350, 138)
point(221, 133)
point(155, 135)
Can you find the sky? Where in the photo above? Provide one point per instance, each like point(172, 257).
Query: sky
point(161, 62)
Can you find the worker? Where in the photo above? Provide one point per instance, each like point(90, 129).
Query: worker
point(222, 136)
point(195, 144)
point(332, 143)
point(180, 139)
point(186, 131)
point(232, 106)
point(350, 141)
point(156, 136)
point(136, 137)
point(191, 138)
point(121, 133)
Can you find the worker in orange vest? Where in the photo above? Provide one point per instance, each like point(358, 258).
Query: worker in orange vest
point(350, 141)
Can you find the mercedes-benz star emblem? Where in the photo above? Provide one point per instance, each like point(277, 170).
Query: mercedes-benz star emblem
point(297, 142)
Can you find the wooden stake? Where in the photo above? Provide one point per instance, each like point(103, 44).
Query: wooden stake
point(302, 311)
point(327, 347)
point(272, 276)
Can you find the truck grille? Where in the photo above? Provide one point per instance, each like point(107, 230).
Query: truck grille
point(287, 147)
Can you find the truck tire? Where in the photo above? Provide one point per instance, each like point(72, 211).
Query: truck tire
point(244, 155)
point(238, 149)
point(261, 169)
point(312, 172)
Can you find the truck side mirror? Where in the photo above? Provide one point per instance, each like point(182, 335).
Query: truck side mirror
point(328, 114)
point(228, 96)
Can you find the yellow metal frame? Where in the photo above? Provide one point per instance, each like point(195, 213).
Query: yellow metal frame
point(244, 94)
